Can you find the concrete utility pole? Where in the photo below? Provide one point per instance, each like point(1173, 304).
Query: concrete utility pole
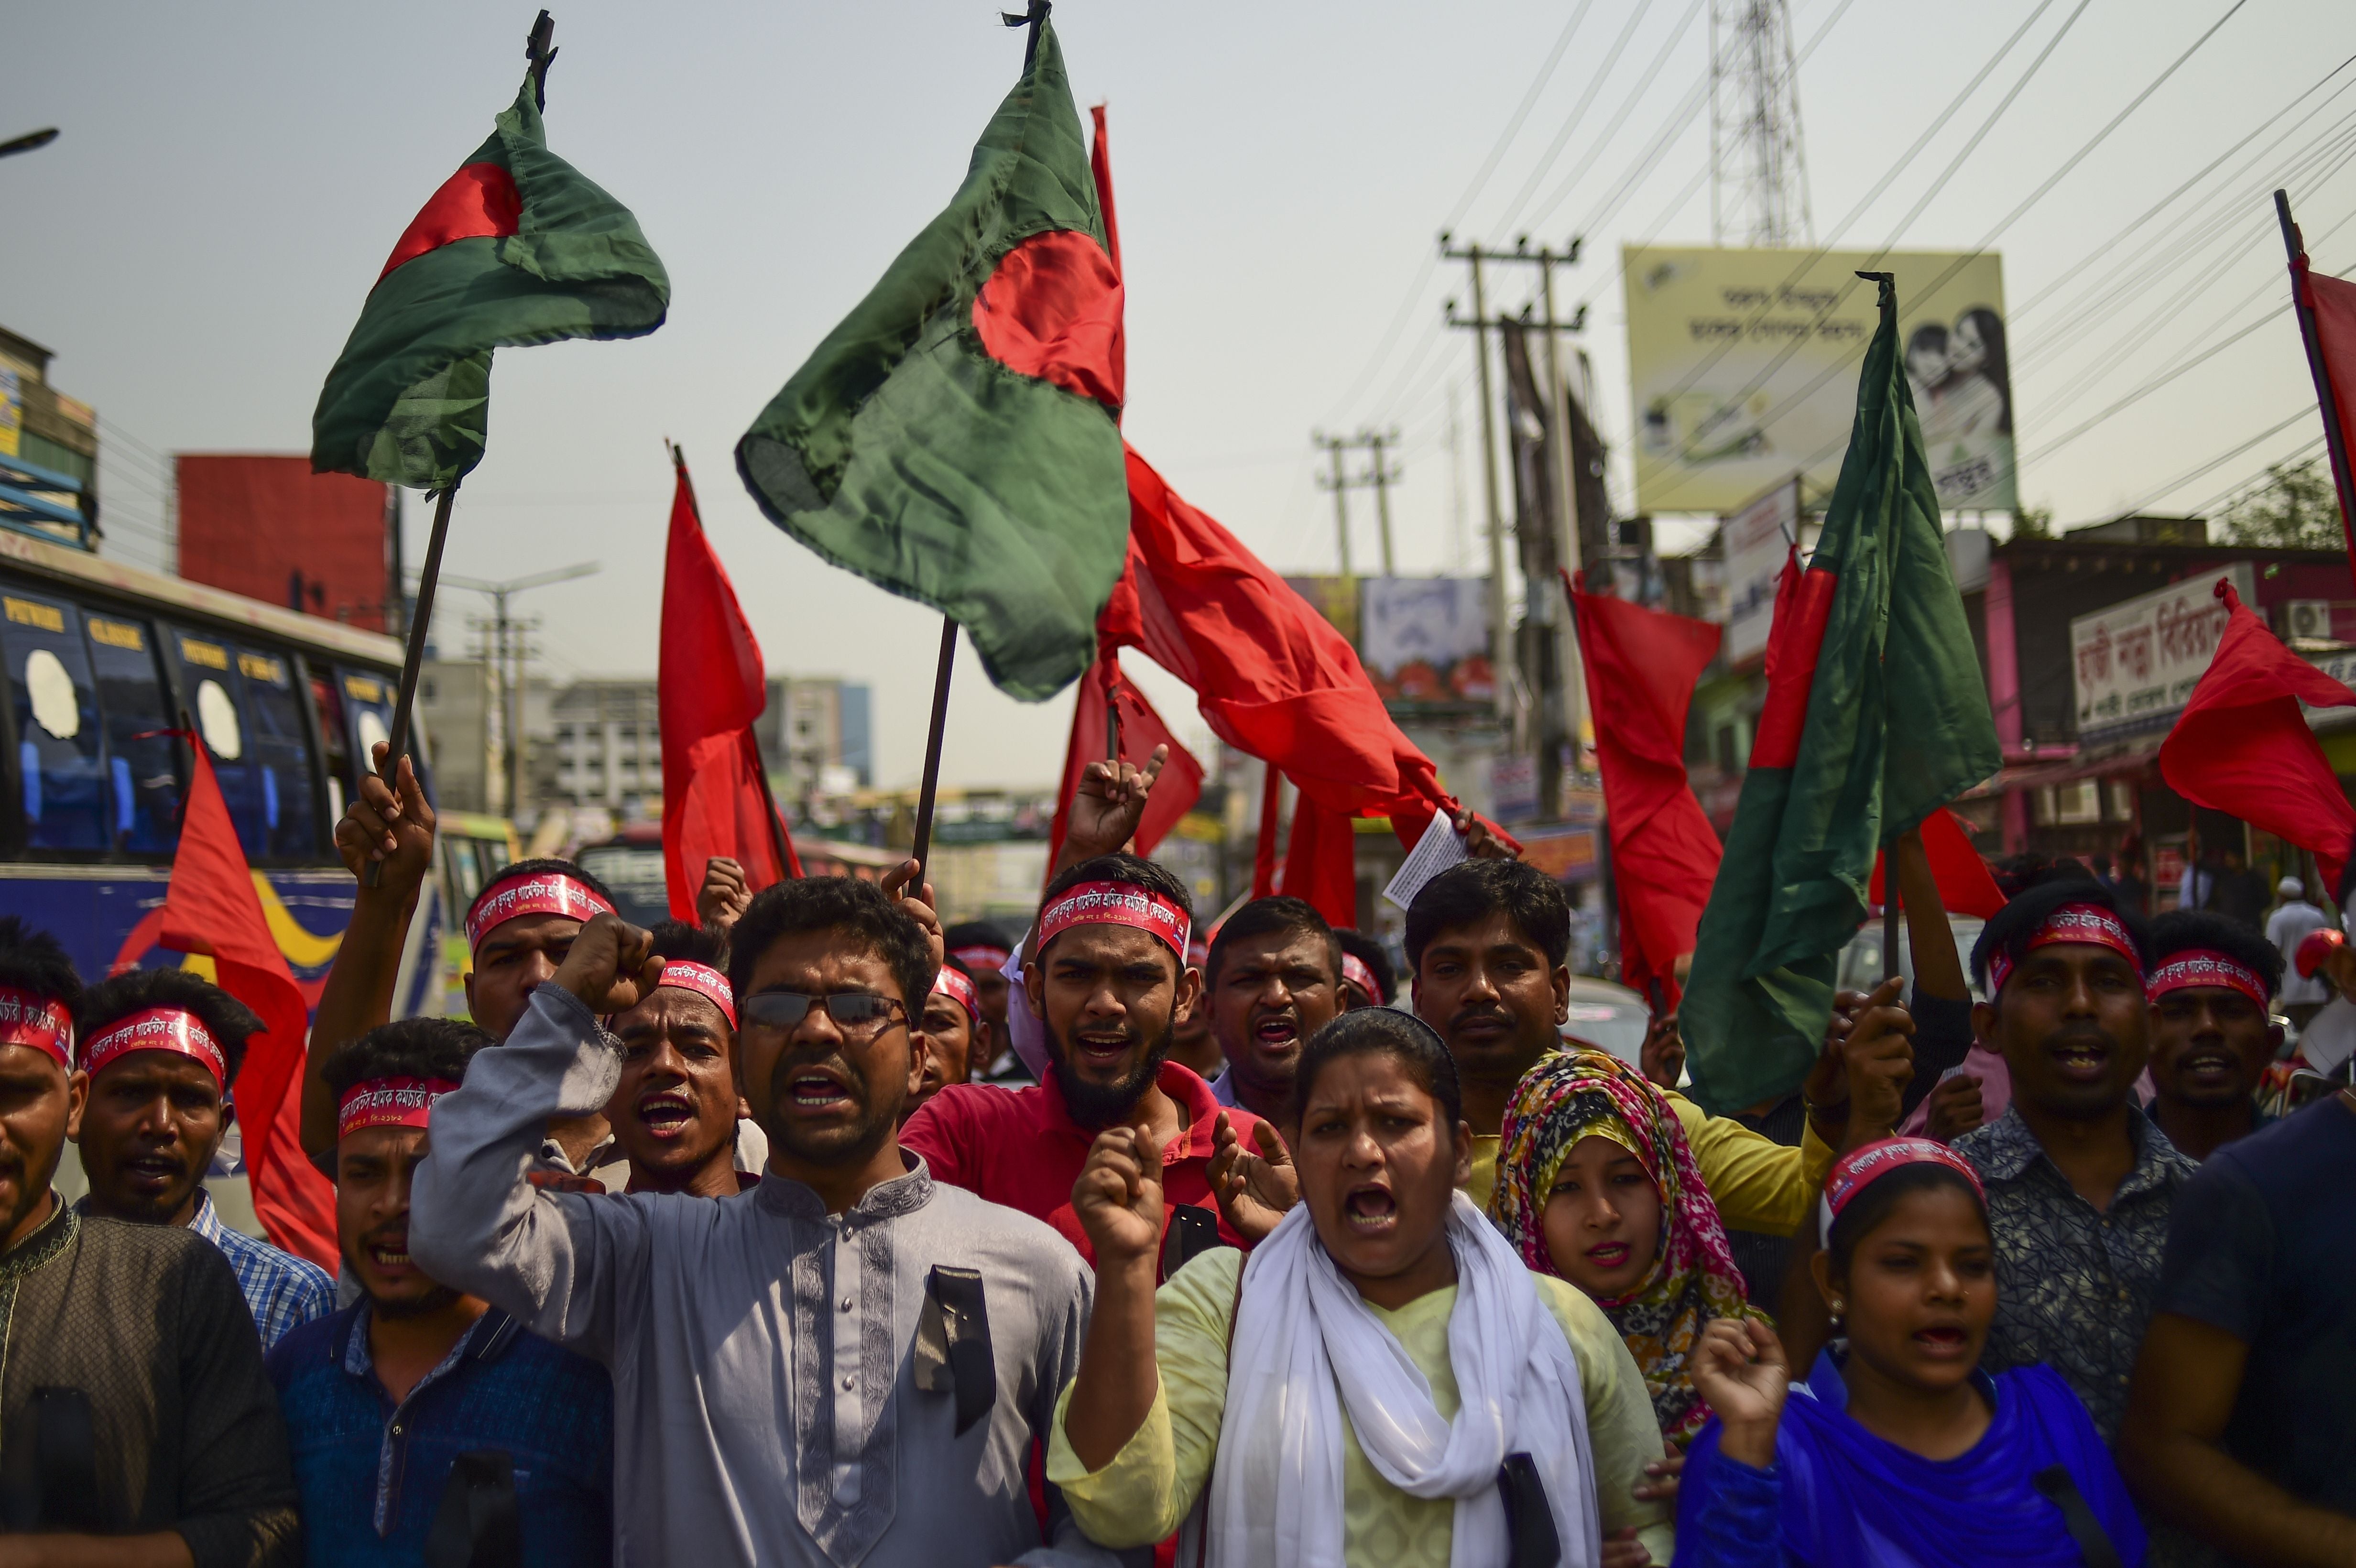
point(1565, 517)
point(1501, 635)
point(1378, 478)
point(509, 654)
point(1333, 445)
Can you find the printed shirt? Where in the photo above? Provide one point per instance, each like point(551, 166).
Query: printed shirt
point(2075, 1284)
point(371, 1472)
point(1023, 1148)
point(284, 1291)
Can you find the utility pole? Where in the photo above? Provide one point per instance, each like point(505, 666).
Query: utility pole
point(1501, 635)
point(509, 655)
point(1333, 445)
point(1378, 478)
point(1565, 519)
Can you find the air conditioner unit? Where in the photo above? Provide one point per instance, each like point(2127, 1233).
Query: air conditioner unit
point(2308, 618)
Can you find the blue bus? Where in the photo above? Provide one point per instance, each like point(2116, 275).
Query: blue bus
point(100, 657)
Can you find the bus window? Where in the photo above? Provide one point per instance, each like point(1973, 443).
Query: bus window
point(61, 777)
point(369, 698)
point(281, 754)
point(143, 765)
point(342, 781)
point(214, 688)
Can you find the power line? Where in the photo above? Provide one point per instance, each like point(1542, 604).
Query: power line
point(1577, 112)
point(1797, 399)
point(1627, 107)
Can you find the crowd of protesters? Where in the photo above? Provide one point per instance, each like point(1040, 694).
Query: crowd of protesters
point(812, 1233)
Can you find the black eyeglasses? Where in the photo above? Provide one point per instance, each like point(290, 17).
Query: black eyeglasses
point(859, 1014)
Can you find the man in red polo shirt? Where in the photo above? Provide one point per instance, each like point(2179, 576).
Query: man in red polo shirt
point(1105, 971)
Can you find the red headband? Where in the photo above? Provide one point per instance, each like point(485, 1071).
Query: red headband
point(550, 892)
point(2199, 967)
point(982, 956)
point(2088, 924)
point(686, 975)
point(37, 1021)
point(157, 1028)
point(1860, 1169)
point(388, 1102)
point(1355, 973)
point(958, 989)
point(1116, 903)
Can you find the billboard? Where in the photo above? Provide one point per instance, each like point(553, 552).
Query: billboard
point(268, 528)
point(2134, 664)
point(1425, 640)
point(1742, 368)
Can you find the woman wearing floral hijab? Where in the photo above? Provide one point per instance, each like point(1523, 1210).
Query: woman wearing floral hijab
point(1597, 1185)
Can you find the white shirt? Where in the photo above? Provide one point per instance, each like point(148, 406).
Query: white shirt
point(2286, 928)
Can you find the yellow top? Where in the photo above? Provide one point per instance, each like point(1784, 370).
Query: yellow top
point(1147, 1489)
point(1759, 1184)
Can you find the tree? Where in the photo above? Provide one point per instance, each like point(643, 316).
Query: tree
point(2293, 508)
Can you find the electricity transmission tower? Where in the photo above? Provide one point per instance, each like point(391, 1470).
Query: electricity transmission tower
point(1757, 173)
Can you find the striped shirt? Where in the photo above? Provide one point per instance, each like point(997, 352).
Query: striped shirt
point(284, 1291)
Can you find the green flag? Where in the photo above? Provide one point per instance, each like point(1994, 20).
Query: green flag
point(955, 439)
point(1876, 715)
point(515, 248)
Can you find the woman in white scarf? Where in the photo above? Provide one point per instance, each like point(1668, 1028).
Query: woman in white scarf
point(1351, 1400)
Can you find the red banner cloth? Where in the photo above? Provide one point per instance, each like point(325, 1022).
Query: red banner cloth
point(1273, 677)
point(2242, 746)
point(2333, 300)
point(1966, 886)
point(712, 688)
point(1142, 729)
point(1321, 863)
point(1641, 668)
point(212, 907)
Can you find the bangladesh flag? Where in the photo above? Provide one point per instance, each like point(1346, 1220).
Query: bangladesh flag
point(515, 248)
point(956, 438)
point(1876, 715)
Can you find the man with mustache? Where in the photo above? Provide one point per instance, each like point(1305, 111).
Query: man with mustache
point(161, 1051)
point(1488, 940)
point(2079, 1180)
point(418, 1399)
point(848, 1365)
point(675, 1112)
point(2213, 1033)
point(136, 1426)
point(1105, 971)
point(1274, 979)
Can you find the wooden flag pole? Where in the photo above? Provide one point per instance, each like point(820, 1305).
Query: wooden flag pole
point(922, 851)
point(421, 620)
point(2344, 482)
point(1889, 912)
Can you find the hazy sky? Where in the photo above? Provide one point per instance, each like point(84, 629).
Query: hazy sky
point(196, 245)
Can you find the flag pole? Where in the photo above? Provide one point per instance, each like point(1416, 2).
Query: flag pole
point(1889, 912)
point(421, 620)
point(2343, 481)
point(933, 751)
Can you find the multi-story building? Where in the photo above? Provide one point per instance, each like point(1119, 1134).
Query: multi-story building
point(458, 702)
point(49, 450)
point(815, 737)
point(606, 747)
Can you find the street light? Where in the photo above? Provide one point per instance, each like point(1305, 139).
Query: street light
point(499, 593)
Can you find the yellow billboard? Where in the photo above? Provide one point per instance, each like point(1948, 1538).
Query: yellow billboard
point(1742, 368)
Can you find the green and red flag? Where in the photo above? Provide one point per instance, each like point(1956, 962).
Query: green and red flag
point(956, 438)
point(516, 248)
point(1876, 715)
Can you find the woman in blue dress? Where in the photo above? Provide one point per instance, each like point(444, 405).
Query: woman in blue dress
point(1898, 1452)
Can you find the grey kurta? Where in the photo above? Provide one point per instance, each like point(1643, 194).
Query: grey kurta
point(765, 1408)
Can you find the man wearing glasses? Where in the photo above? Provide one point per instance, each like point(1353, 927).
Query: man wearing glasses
point(847, 1364)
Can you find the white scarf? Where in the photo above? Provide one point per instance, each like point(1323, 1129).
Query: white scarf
point(1307, 1348)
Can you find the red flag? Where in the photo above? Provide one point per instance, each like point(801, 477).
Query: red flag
point(1641, 669)
point(212, 907)
point(1140, 730)
point(713, 686)
point(1273, 677)
point(1100, 166)
point(1966, 886)
point(2242, 746)
point(2331, 303)
point(1321, 861)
